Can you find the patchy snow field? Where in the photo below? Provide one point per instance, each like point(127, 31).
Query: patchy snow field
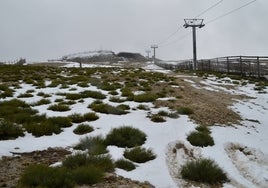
point(241, 150)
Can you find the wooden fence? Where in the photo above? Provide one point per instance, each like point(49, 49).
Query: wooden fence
point(256, 66)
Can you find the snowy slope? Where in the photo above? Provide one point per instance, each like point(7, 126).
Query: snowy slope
point(241, 150)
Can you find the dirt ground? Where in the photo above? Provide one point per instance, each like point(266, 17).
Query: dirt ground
point(209, 107)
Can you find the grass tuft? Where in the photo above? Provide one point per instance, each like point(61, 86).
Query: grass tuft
point(94, 145)
point(59, 107)
point(125, 137)
point(9, 130)
point(83, 129)
point(203, 170)
point(201, 139)
point(124, 164)
point(139, 155)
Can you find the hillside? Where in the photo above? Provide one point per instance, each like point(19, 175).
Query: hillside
point(104, 56)
point(166, 106)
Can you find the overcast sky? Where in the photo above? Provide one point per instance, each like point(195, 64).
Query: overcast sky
point(45, 29)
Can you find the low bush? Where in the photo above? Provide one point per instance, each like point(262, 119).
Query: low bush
point(79, 118)
point(91, 116)
point(25, 95)
point(204, 129)
point(87, 175)
point(83, 84)
point(9, 130)
point(124, 164)
point(126, 92)
point(73, 96)
point(76, 118)
point(125, 137)
point(103, 162)
point(42, 94)
point(106, 108)
point(113, 92)
point(185, 111)
point(157, 118)
point(42, 128)
point(145, 97)
point(123, 107)
point(41, 102)
point(117, 99)
point(94, 145)
point(139, 155)
point(83, 129)
point(143, 107)
point(92, 94)
point(203, 170)
point(201, 139)
point(59, 107)
point(43, 176)
point(5, 91)
point(61, 121)
point(162, 113)
point(16, 111)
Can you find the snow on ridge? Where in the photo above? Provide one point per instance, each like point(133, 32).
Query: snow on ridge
point(89, 54)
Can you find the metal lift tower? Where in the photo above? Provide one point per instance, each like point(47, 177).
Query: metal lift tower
point(194, 23)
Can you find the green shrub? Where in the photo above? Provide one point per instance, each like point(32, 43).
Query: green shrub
point(42, 128)
point(203, 170)
point(73, 96)
point(59, 107)
point(116, 99)
point(106, 108)
point(41, 102)
point(143, 107)
point(185, 111)
point(204, 129)
point(16, 111)
point(157, 118)
point(201, 139)
point(126, 92)
point(93, 94)
point(113, 92)
point(9, 130)
point(25, 95)
point(124, 164)
point(91, 116)
point(77, 118)
point(103, 162)
point(125, 137)
point(94, 145)
point(146, 97)
point(5, 91)
point(83, 129)
point(162, 113)
point(42, 94)
point(123, 107)
point(87, 175)
point(83, 84)
point(43, 176)
point(139, 155)
point(61, 121)
point(173, 115)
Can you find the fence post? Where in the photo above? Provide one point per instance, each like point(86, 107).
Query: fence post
point(209, 65)
point(241, 66)
point(228, 65)
point(258, 67)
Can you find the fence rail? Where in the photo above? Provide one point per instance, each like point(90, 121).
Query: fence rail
point(256, 66)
